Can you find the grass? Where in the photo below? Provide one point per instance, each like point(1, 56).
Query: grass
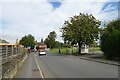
point(63, 50)
point(94, 49)
point(55, 50)
point(74, 51)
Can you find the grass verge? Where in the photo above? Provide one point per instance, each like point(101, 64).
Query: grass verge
point(94, 49)
point(65, 51)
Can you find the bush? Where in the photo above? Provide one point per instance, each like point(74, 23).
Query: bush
point(110, 40)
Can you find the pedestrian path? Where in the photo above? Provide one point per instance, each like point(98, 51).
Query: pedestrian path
point(28, 69)
point(88, 57)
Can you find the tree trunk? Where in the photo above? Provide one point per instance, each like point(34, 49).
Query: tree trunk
point(79, 47)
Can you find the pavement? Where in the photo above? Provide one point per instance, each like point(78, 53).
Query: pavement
point(28, 69)
point(59, 66)
point(95, 57)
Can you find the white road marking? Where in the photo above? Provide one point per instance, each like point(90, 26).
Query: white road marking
point(41, 74)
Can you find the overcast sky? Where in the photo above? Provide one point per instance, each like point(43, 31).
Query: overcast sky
point(40, 17)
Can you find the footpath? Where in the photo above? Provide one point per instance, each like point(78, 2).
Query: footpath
point(96, 58)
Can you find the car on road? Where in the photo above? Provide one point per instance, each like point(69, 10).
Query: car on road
point(42, 52)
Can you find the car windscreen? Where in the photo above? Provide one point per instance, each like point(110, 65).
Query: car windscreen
point(42, 51)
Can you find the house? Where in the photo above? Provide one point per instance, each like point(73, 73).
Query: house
point(84, 48)
point(39, 46)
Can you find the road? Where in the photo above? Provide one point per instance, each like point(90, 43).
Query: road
point(58, 66)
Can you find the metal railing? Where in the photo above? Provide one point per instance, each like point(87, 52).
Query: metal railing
point(11, 58)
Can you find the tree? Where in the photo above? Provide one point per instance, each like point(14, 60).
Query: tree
point(94, 44)
point(81, 29)
point(42, 40)
point(110, 40)
point(46, 41)
point(50, 40)
point(28, 40)
point(58, 44)
point(3, 41)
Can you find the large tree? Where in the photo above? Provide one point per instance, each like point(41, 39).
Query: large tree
point(28, 40)
point(81, 29)
point(50, 40)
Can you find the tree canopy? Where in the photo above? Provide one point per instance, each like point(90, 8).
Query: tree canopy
point(28, 40)
point(81, 29)
point(3, 41)
point(50, 40)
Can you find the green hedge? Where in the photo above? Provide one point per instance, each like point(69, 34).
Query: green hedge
point(110, 40)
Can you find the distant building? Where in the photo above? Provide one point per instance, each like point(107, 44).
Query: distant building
point(40, 45)
point(84, 48)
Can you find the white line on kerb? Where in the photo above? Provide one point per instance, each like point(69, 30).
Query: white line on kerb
point(41, 74)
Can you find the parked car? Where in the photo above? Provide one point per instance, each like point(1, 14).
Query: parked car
point(42, 52)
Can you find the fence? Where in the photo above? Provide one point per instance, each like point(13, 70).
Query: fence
point(11, 58)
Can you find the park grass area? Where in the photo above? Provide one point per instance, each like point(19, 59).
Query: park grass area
point(94, 49)
point(54, 50)
point(73, 51)
point(65, 51)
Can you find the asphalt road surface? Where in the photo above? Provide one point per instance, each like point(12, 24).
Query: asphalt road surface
point(58, 66)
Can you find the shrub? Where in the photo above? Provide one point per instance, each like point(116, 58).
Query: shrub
point(110, 40)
